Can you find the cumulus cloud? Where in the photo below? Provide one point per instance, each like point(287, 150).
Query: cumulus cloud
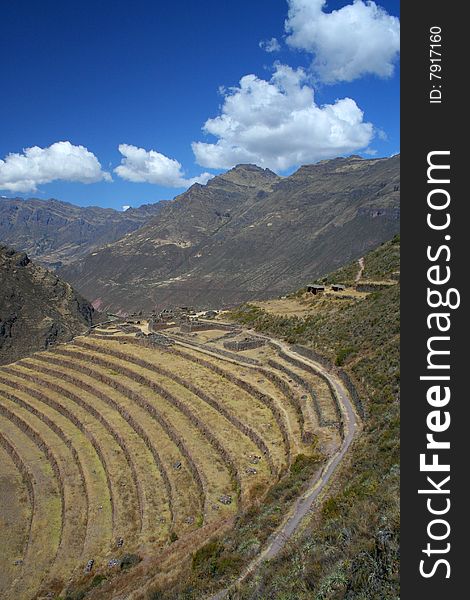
point(149, 166)
point(358, 39)
point(277, 124)
point(60, 161)
point(271, 45)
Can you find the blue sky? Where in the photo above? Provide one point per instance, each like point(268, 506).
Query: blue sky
point(148, 74)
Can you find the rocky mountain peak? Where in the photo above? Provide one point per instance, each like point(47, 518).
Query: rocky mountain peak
point(247, 175)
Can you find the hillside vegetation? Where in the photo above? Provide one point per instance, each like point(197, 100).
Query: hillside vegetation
point(162, 464)
point(351, 549)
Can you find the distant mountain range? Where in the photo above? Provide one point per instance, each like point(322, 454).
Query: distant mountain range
point(54, 233)
point(246, 234)
point(37, 309)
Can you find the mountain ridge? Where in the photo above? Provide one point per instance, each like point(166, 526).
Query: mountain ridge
point(54, 232)
point(247, 233)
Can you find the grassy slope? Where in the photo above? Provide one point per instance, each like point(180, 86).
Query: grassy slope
point(379, 264)
point(221, 560)
point(350, 550)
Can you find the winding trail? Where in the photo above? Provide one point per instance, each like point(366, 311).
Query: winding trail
point(361, 269)
point(317, 484)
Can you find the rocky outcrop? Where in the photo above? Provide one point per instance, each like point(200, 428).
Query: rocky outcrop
point(37, 309)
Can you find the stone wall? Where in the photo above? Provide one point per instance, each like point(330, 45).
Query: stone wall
point(345, 378)
point(370, 286)
point(247, 344)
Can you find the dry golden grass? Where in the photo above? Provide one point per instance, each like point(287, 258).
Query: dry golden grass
point(309, 304)
point(73, 492)
point(226, 393)
point(215, 471)
point(254, 378)
point(218, 479)
point(286, 306)
point(127, 441)
point(239, 446)
point(323, 393)
point(15, 515)
point(46, 521)
point(156, 514)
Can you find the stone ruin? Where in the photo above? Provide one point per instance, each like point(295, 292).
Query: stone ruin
point(315, 288)
point(194, 325)
point(248, 343)
point(176, 313)
point(153, 339)
point(127, 328)
point(155, 324)
point(210, 314)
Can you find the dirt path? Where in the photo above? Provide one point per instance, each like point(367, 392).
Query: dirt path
point(361, 269)
point(304, 504)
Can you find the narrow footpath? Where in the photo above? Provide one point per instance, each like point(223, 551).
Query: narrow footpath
point(361, 269)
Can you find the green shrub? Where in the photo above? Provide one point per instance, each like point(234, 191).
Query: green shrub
point(173, 536)
point(343, 354)
point(97, 579)
point(129, 560)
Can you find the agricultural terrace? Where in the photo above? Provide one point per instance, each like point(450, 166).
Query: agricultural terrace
point(116, 447)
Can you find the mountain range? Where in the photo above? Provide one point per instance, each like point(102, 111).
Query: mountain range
point(246, 234)
point(54, 233)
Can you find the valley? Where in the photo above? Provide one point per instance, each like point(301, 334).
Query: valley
point(230, 393)
point(56, 233)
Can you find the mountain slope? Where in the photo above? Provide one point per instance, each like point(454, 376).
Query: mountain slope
point(37, 309)
point(246, 234)
point(348, 547)
point(351, 547)
point(55, 233)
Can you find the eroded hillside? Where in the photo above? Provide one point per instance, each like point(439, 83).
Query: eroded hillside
point(246, 234)
point(55, 233)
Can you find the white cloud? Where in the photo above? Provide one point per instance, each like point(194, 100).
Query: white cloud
point(358, 39)
point(271, 45)
point(125, 207)
point(381, 134)
point(277, 124)
point(149, 166)
point(60, 161)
